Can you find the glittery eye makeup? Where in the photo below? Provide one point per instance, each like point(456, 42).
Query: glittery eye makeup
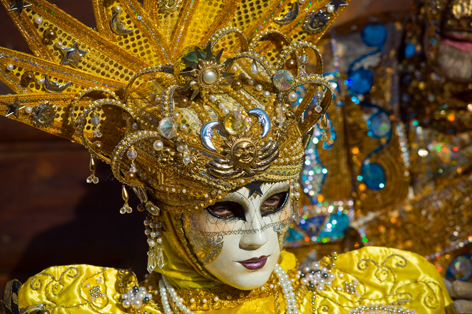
point(274, 203)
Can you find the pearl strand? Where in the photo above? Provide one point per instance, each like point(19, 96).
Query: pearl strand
point(173, 294)
point(287, 289)
point(284, 283)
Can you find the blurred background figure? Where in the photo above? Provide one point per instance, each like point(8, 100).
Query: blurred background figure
point(395, 164)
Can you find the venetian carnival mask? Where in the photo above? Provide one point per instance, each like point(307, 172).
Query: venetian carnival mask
point(238, 240)
point(448, 38)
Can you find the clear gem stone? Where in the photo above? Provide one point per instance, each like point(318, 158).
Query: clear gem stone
point(283, 79)
point(303, 59)
point(97, 133)
point(168, 128)
point(132, 154)
point(236, 122)
point(95, 120)
point(318, 108)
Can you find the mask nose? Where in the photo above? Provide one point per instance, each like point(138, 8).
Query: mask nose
point(254, 237)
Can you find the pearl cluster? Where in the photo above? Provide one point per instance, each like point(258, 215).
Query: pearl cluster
point(136, 297)
point(287, 289)
point(380, 309)
point(351, 287)
point(317, 277)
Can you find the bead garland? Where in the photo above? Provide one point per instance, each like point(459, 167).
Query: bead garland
point(283, 280)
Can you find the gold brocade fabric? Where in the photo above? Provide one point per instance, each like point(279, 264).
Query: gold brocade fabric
point(384, 277)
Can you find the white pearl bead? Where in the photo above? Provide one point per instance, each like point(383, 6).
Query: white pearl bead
point(158, 145)
point(330, 8)
point(221, 105)
point(258, 87)
point(225, 111)
point(266, 94)
point(10, 67)
point(292, 96)
point(38, 20)
point(176, 115)
point(29, 109)
point(40, 81)
point(234, 68)
point(126, 304)
point(212, 98)
point(136, 303)
point(117, 9)
point(210, 77)
point(59, 44)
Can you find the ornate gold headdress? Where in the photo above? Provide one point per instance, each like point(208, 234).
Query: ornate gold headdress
point(186, 99)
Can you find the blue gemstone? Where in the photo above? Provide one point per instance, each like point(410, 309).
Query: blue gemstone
point(362, 80)
point(374, 176)
point(374, 35)
point(460, 268)
point(380, 124)
point(410, 50)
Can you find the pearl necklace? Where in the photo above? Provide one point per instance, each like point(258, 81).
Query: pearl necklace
point(283, 279)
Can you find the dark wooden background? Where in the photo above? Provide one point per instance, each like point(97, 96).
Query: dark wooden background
point(49, 215)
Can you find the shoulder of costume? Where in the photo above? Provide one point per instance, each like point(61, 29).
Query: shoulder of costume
point(72, 289)
point(379, 278)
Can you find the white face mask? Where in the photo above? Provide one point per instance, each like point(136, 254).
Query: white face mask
point(238, 240)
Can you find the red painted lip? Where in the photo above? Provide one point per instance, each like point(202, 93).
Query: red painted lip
point(254, 263)
point(459, 40)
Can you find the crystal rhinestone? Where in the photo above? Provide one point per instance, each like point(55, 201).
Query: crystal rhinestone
point(95, 120)
point(168, 128)
point(236, 122)
point(319, 95)
point(303, 59)
point(210, 77)
point(318, 108)
point(283, 79)
point(132, 154)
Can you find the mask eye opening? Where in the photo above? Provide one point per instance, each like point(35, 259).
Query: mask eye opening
point(283, 201)
point(227, 211)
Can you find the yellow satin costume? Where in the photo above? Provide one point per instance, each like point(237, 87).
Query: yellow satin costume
point(385, 276)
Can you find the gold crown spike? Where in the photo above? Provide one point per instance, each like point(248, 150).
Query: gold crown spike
point(185, 99)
